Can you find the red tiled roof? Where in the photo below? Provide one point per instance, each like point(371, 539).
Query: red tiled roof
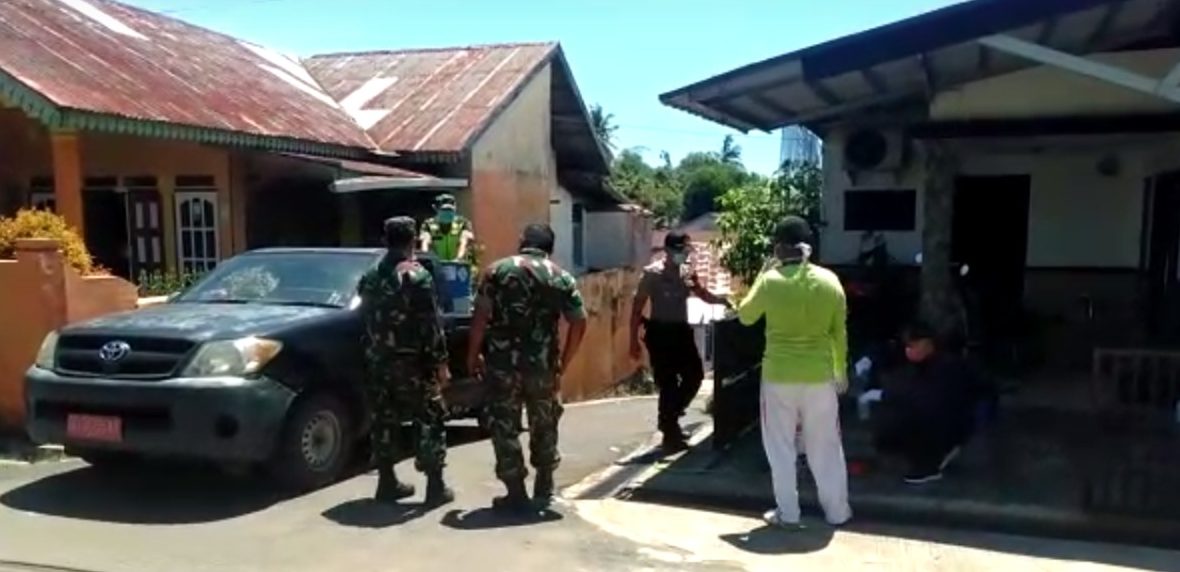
point(432, 100)
point(105, 57)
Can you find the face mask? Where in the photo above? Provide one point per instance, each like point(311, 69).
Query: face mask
point(916, 353)
point(446, 216)
point(679, 258)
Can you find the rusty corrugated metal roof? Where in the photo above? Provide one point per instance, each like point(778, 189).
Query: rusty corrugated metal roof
point(362, 167)
point(104, 57)
point(432, 100)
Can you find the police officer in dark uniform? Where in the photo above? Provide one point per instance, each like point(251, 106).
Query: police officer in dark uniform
point(671, 346)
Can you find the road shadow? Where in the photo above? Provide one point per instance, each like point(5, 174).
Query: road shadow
point(489, 518)
point(368, 513)
point(770, 541)
point(1091, 551)
point(147, 494)
point(1025, 462)
point(162, 492)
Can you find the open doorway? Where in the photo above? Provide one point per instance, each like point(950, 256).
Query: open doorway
point(1162, 261)
point(990, 235)
point(105, 212)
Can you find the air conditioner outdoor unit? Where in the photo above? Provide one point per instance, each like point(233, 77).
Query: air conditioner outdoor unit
point(875, 150)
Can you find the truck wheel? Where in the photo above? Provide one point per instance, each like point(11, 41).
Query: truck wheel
point(316, 443)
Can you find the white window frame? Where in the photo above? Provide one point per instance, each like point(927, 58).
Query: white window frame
point(43, 200)
point(193, 263)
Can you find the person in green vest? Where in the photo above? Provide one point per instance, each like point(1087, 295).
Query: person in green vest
point(446, 234)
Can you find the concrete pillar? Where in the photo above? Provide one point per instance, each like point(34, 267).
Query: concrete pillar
point(67, 178)
point(940, 302)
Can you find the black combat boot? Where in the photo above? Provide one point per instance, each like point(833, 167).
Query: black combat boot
point(437, 491)
point(517, 499)
point(543, 490)
point(389, 489)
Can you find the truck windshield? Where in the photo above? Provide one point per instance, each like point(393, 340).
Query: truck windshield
point(293, 278)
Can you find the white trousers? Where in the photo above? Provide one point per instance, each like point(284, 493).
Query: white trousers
point(784, 407)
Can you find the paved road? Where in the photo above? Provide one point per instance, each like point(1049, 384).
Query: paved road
point(68, 515)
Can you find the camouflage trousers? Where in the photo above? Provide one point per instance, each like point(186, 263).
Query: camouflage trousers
point(408, 394)
point(508, 393)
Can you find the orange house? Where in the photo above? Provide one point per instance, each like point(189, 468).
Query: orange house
point(171, 147)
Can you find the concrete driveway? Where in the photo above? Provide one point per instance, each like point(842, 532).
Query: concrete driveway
point(67, 515)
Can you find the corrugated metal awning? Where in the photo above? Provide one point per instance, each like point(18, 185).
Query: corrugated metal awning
point(914, 58)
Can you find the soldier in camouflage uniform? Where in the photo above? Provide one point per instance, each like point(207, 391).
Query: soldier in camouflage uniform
point(406, 364)
point(521, 299)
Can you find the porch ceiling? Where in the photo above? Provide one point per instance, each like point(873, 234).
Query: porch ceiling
point(912, 59)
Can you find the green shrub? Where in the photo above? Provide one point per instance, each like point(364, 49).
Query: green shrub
point(164, 283)
point(36, 223)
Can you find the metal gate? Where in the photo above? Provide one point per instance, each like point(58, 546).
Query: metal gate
point(737, 376)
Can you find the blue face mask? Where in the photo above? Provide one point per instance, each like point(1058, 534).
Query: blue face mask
point(679, 257)
point(446, 216)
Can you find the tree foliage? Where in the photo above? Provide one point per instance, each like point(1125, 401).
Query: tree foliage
point(749, 213)
point(656, 188)
point(681, 191)
point(604, 126)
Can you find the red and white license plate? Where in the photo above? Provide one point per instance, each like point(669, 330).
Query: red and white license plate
point(94, 428)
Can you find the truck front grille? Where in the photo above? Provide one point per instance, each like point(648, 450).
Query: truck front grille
point(149, 358)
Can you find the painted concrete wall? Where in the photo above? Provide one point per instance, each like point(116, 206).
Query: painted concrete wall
point(840, 246)
point(1045, 91)
point(1075, 212)
point(609, 236)
point(1077, 216)
point(40, 293)
point(605, 356)
point(561, 211)
point(617, 239)
point(25, 154)
point(513, 171)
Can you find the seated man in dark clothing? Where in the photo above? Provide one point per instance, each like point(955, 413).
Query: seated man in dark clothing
point(927, 412)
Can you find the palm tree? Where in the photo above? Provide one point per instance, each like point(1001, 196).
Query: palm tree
point(603, 124)
point(730, 152)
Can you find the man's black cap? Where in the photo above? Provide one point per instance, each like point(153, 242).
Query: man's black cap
point(676, 240)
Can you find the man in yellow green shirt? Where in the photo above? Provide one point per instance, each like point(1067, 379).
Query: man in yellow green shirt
point(803, 369)
point(447, 234)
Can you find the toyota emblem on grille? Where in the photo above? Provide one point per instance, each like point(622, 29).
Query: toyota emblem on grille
point(112, 352)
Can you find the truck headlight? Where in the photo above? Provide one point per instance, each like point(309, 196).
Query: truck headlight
point(244, 356)
point(48, 351)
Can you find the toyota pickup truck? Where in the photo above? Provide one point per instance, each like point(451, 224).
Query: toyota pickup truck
point(259, 363)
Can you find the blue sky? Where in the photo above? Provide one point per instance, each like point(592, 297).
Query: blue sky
point(624, 53)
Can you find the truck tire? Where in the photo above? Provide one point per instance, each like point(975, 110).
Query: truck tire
point(316, 444)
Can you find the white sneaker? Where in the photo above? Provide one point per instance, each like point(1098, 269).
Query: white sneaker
point(773, 518)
